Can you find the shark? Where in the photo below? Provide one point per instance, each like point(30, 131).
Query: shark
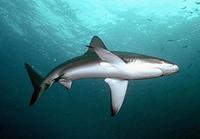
point(115, 67)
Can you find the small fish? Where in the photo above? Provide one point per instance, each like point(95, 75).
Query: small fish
point(3, 15)
point(184, 7)
point(149, 19)
point(185, 46)
point(197, 2)
point(170, 40)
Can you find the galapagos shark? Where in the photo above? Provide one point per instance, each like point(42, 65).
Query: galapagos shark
point(116, 67)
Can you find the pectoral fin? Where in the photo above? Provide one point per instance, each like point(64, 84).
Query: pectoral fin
point(118, 89)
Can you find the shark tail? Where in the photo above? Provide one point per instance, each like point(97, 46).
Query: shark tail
point(36, 80)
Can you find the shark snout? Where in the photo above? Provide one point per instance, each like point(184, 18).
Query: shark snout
point(169, 69)
point(175, 68)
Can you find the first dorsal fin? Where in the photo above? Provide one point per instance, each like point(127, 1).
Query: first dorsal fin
point(96, 42)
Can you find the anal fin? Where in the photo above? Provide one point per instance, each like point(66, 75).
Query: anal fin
point(66, 83)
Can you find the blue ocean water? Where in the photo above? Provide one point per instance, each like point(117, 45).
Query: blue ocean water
point(46, 33)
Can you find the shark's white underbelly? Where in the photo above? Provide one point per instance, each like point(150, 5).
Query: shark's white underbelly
point(105, 70)
point(92, 71)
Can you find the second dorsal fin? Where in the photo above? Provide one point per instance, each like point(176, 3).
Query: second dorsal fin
point(96, 42)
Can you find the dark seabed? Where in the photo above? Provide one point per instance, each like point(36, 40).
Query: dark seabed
point(46, 33)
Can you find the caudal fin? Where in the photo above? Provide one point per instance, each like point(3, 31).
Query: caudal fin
point(36, 80)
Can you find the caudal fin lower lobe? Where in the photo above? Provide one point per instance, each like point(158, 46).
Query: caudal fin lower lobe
point(36, 81)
